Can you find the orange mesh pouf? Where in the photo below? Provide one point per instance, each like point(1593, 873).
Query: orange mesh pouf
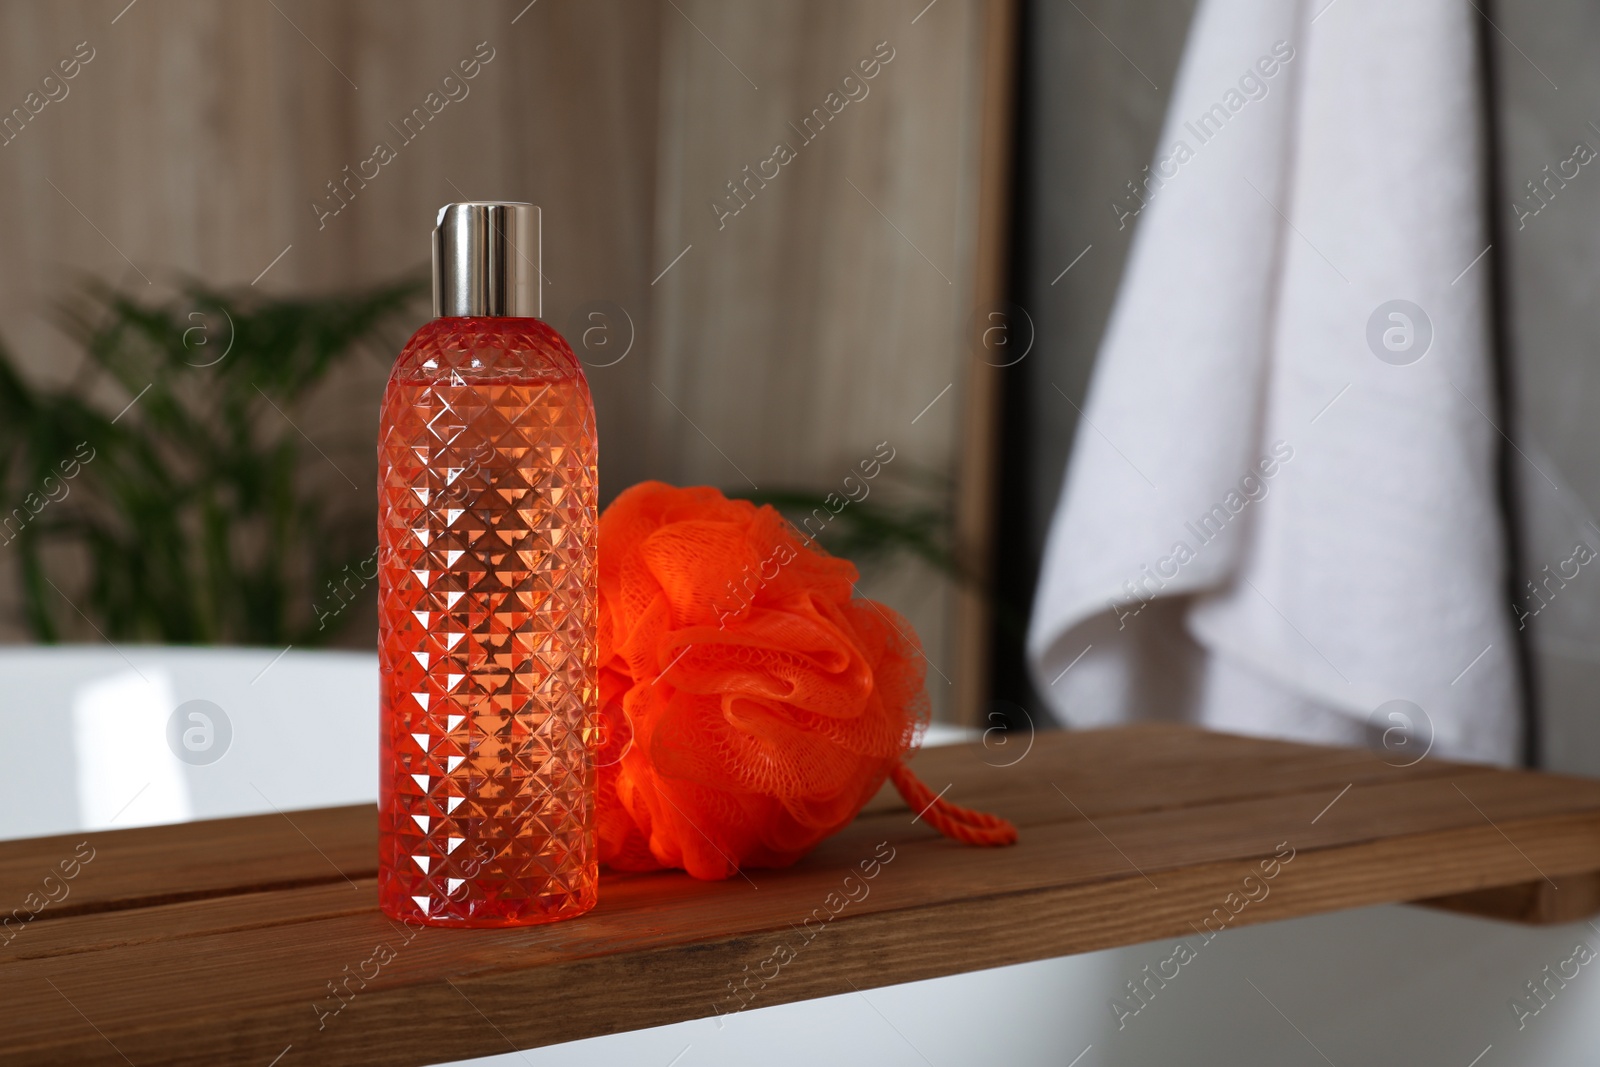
point(749, 704)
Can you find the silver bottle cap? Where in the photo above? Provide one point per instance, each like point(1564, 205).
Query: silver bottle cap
point(486, 260)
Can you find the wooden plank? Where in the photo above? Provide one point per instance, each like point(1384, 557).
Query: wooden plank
point(1163, 830)
point(214, 914)
point(413, 1014)
point(1537, 902)
point(977, 474)
point(1178, 767)
point(1235, 828)
point(162, 864)
point(1112, 846)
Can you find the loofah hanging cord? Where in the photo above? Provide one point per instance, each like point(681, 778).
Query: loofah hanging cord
point(953, 821)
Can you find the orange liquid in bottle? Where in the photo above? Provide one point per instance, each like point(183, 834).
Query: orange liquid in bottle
point(487, 615)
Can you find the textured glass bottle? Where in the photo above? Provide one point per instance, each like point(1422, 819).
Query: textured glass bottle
point(486, 601)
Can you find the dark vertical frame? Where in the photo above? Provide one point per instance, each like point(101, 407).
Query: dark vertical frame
point(1501, 368)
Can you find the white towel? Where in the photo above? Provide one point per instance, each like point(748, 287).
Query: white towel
point(1267, 528)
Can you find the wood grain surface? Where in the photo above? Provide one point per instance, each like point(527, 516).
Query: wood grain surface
point(223, 941)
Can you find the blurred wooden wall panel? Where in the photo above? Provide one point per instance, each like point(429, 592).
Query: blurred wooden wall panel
point(990, 356)
point(784, 343)
point(819, 312)
point(197, 139)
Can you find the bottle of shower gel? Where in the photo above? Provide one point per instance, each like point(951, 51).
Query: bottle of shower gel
point(487, 602)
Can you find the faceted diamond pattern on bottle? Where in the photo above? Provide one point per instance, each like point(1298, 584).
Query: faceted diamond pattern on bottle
point(487, 627)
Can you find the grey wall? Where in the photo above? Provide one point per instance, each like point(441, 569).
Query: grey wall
point(1548, 101)
point(1096, 77)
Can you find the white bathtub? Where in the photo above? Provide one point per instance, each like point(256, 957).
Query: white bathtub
point(84, 745)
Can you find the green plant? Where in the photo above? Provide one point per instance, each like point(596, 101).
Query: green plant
point(871, 532)
point(185, 518)
point(919, 522)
